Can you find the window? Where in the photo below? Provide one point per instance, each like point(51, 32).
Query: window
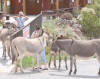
point(73, 0)
point(19, 1)
point(52, 1)
point(38, 1)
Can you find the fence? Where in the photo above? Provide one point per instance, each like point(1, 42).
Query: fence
point(27, 30)
point(55, 12)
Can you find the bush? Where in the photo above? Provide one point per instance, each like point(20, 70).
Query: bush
point(50, 27)
point(67, 16)
point(96, 7)
point(90, 24)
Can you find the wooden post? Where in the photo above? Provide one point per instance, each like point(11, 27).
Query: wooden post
point(24, 6)
point(5, 6)
point(57, 4)
point(0, 5)
point(77, 4)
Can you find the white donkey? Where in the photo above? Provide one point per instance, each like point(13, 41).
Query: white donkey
point(22, 46)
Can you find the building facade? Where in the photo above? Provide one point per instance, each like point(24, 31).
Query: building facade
point(36, 6)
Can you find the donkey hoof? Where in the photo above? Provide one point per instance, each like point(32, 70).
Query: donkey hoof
point(21, 70)
point(66, 68)
point(4, 58)
point(74, 73)
point(49, 66)
point(55, 67)
point(69, 73)
point(33, 69)
point(15, 70)
point(58, 68)
point(98, 73)
point(38, 70)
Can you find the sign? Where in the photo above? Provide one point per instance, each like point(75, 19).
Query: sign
point(26, 32)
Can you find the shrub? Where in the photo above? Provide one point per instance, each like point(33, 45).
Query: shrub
point(67, 16)
point(96, 7)
point(90, 24)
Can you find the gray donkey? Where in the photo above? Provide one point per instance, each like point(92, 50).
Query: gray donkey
point(5, 39)
point(80, 48)
point(54, 50)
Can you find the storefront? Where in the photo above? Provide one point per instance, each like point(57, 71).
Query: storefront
point(36, 6)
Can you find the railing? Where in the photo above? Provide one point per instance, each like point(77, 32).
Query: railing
point(57, 12)
point(27, 30)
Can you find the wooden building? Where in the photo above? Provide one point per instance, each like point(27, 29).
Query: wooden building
point(36, 6)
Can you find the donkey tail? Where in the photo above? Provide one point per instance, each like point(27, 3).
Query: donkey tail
point(14, 52)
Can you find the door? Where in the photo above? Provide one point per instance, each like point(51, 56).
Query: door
point(63, 3)
point(46, 5)
point(16, 6)
point(19, 5)
point(83, 3)
point(72, 3)
point(33, 6)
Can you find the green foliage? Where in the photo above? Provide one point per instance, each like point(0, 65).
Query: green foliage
point(69, 32)
point(90, 25)
point(96, 7)
point(27, 62)
point(76, 12)
point(50, 26)
point(0, 25)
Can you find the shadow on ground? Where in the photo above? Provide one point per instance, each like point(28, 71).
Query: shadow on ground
point(4, 61)
point(78, 76)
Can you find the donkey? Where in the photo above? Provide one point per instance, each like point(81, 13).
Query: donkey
point(5, 38)
point(80, 48)
point(22, 46)
point(5, 32)
point(54, 50)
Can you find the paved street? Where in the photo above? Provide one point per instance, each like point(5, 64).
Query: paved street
point(87, 69)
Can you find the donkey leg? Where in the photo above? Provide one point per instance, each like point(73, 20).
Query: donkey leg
point(71, 65)
point(65, 58)
point(98, 57)
point(59, 60)
point(38, 61)
point(50, 60)
point(75, 66)
point(55, 59)
point(4, 51)
point(33, 63)
point(99, 71)
point(21, 67)
point(8, 50)
point(16, 65)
